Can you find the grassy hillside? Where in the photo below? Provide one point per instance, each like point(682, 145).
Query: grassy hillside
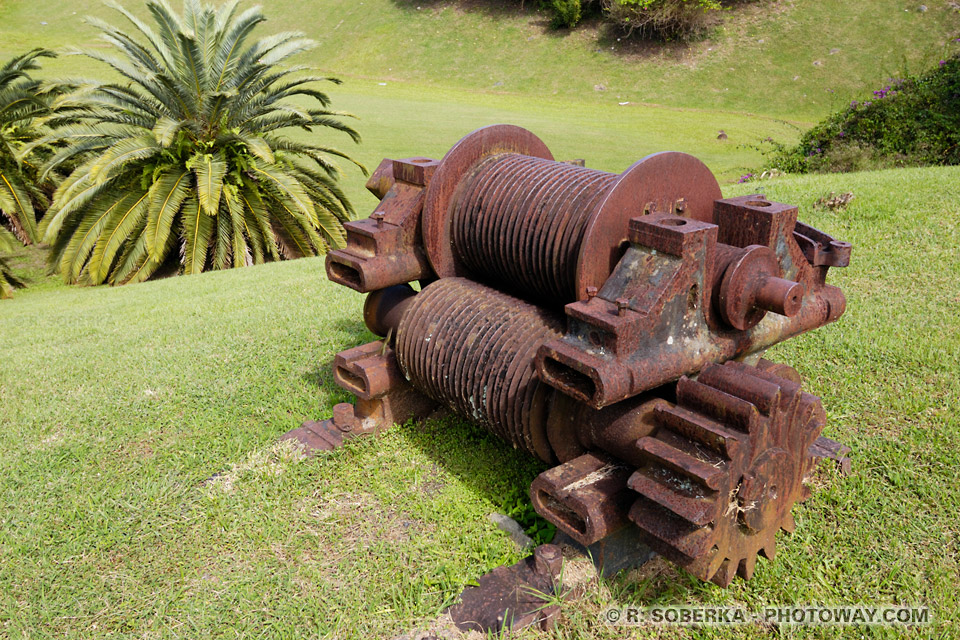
point(790, 58)
point(419, 79)
point(119, 404)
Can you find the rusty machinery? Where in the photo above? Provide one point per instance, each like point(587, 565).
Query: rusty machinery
point(611, 325)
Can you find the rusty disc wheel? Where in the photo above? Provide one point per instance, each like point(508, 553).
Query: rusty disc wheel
point(658, 183)
point(725, 468)
point(456, 165)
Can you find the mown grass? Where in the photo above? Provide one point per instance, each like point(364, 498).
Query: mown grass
point(772, 57)
point(421, 74)
point(118, 405)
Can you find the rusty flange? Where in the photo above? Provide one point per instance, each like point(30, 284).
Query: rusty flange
point(668, 182)
point(462, 158)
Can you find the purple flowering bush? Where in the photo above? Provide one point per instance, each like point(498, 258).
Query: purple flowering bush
point(911, 121)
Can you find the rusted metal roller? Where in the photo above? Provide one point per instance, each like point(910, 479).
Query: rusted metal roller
point(499, 208)
point(519, 222)
point(472, 348)
point(613, 325)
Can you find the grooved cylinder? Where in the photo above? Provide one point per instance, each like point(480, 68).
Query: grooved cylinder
point(472, 348)
point(519, 221)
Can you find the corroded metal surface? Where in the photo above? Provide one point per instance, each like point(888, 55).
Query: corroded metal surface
point(680, 299)
point(613, 326)
point(725, 468)
point(471, 348)
point(514, 597)
point(518, 223)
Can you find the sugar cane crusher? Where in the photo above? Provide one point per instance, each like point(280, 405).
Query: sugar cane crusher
point(611, 325)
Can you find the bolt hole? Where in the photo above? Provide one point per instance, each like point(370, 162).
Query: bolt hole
point(561, 513)
point(420, 160)
point(758, 203)
point(673, 222)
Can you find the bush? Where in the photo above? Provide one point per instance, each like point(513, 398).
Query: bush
point(8, 281)
point(23, 101)
point(668, 19)
point(909, 122)
point(566, 13)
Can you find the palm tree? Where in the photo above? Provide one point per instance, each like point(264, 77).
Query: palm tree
point(184, 166)
point(23, 99)
point(8, 281)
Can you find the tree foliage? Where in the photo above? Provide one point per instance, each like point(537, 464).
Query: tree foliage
point(669, 19)
point(8, 280)
point(184, 165)
point(23, 99)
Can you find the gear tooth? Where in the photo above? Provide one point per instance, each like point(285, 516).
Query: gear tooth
point(813, 417)
point(764, 391)
point(717, 404)
point(780, 370)
point(676, 493)
point(694, 468)
point(715, 563)
point(701, 429)
point(769, 550)
point(724, 469)
point(725, 575)
point(747, 565)
point(789, 524)
point(670, 535)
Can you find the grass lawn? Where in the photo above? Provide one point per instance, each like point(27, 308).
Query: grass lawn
point(120, 403)
point(796, 59)
point(141, 491)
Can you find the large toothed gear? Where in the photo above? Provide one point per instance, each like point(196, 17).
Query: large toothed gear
point(725, 468)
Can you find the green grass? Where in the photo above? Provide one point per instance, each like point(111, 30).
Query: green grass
point(749, 64)
point(119, 403)
point(761, 60)
point(452, 66)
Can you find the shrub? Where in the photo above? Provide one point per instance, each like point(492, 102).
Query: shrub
point(22, 100)
point(183, 166)
point(668, 19)
point(908, 122)
point(8, 281)
point(566, 13)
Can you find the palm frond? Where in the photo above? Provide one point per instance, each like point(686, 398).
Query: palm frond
point(179, 158)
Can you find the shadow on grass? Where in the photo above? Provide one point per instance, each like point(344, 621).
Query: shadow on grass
point(353, 333)
point(489, 7)
point(493, 8)
point(609, 37)
point(484, 464)
point(495, 471)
